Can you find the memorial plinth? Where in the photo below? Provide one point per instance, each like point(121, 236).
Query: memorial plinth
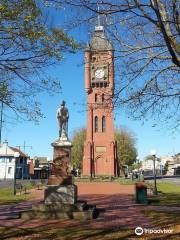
point(60, 195)
point(65, 194)
point(60, 173)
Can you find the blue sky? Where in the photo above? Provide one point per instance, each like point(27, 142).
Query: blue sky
point(71, 74)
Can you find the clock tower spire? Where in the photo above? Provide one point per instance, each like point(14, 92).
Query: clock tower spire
point(100, 154)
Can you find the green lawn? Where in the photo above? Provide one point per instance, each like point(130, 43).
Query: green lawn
point(126, 181)
point(7, 197)
point(64, 233)
point(168, 188)
point(164, 220)
point(168, 194)
point(121, 180)
point(80, 233)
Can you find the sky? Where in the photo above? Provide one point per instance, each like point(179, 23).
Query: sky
point(38, 138)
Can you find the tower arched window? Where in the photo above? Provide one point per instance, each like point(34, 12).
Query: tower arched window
point(103, 124)
point(96, 124)
point(103, 97)
point(96, 97)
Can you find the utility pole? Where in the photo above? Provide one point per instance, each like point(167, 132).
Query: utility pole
point(24, 146)
point(1, 121)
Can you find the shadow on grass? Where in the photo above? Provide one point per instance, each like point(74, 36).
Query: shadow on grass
point(3, 202)
point(64, 234)
point(163, 219)
point(168, 199)
point(47, 233)
point(15, 199)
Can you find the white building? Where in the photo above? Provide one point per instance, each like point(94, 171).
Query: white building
point(7, 163)
point(170, 161)
point(173, 164)
point(148, 166)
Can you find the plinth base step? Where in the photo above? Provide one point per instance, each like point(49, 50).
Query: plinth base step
point(80, 210)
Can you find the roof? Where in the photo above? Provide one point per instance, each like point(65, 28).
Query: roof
point(6, 150)
point(99, 41)
point(42, 160)
point(22, 154)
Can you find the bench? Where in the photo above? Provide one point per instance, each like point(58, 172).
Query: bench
point(20, 187)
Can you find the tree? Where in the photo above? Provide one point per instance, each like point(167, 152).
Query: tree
point(78, 140)
point(125, 141)
point(126, 149)
point(146, 38)
point(166, 166)
point(28, 46)
point(150, 157)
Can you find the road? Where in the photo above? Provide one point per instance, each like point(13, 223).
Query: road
point(168, 180)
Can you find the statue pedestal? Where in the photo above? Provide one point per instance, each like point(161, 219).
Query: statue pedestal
point(60, 188)
point(60, 195)
point(62, 146)
point(61, 166)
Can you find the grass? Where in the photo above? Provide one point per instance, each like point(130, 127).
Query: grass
point(164, 220)
point(80, 233)
point(126, 181)
point(64, 234)
point(7, 197)
point(168, 188)
point(168, 194)
point(120, 180)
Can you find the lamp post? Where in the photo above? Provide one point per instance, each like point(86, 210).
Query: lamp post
point(48, 171)
point(153, 154)
point(137, 160)
point(16, 156)
point(1, 121)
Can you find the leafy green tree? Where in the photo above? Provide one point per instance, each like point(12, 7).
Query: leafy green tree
point(126, 149)
point(28, 46)
point(78, 140)
point(150, 157)
point(136, 165)
point(165, 168)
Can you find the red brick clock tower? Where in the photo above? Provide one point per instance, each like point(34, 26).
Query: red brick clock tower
point(100, 155)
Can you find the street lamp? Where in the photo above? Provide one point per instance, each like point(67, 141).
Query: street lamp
point(137, 160)
point(48, 170)
point(153, 154)
point(16, 156)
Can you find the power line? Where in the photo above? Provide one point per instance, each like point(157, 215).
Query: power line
point(24, 146)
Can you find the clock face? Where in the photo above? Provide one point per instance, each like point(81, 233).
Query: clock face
point(99, 73)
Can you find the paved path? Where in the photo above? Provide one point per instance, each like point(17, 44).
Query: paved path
point(120, 209)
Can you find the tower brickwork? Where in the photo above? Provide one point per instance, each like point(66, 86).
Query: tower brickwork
point(100, 158)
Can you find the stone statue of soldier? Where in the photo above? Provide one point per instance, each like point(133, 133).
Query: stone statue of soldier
point(60, 173)
point(63, 116)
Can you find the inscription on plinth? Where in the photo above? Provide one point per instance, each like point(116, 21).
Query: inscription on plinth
point(66, 194)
